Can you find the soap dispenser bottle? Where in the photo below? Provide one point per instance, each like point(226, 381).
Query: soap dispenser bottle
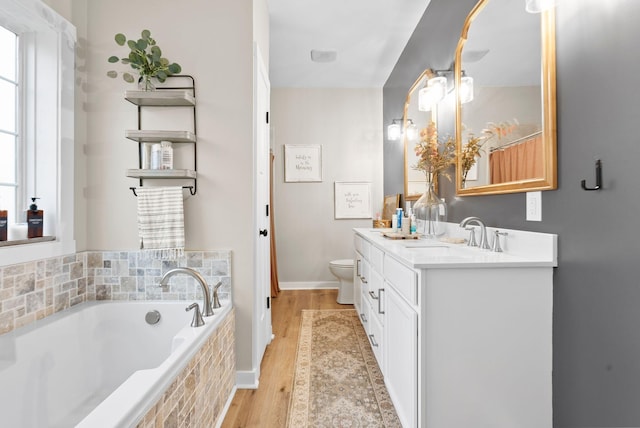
point(3, 225)
point(35, 220)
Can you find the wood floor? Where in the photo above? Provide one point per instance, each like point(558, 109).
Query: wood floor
point(267, 406)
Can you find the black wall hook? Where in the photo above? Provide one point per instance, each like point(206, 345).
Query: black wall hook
point(598, 186)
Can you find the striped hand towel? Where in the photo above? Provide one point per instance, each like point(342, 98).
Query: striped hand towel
point(161, 222)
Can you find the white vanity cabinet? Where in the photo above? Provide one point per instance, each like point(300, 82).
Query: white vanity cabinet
point(371, 294)
point(463, 335)
point(375, 296)
point(401, 343)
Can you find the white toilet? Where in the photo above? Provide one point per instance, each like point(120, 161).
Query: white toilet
point(343, 270)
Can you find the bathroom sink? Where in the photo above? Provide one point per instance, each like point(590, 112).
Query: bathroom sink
point(422, 244)
point(426, 249)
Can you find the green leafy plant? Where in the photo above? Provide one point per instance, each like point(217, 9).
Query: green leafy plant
point(145, 58)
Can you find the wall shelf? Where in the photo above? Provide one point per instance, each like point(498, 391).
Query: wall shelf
point(162, 173)
point(149, 136)
point(164, 96)
point(161, 97)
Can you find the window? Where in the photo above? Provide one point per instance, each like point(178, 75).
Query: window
point(37, 59)
point(9, 128)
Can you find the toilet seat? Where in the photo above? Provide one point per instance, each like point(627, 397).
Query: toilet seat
point(342, 263)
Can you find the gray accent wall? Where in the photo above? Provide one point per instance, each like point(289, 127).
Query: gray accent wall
point(596, 357)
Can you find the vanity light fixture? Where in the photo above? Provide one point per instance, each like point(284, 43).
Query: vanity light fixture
point(432, 93)
point(394, 131)
point(539, 6)
point(412, 131)
point(466, 89)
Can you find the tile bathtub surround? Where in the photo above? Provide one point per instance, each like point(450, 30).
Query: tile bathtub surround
point(131, 276)
point(197, 396)
point(33, 290)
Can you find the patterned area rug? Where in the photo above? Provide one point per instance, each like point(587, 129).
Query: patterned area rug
point(337, 382)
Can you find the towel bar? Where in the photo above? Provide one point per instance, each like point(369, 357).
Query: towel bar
point(192, 190)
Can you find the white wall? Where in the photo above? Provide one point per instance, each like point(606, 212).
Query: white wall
point(346, 122)
point(211, 40)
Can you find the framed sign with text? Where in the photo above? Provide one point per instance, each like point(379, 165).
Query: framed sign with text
point(302, 163)
point(352, 200)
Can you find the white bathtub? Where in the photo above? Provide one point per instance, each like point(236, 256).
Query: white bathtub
point(96, 365)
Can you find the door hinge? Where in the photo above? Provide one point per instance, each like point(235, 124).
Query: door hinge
point(267, 117)
point(267, 210)
point(268, 302)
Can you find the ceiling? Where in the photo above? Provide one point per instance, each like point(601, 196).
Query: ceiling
point(368, 35)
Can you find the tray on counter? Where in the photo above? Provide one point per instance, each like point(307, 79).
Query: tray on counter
point(400, 235)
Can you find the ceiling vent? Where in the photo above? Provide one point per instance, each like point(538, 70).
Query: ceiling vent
point(318, 55)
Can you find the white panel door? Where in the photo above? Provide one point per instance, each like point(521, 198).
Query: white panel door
point(262, 325)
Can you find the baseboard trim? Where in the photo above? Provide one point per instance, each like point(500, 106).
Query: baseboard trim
point(308, 285)
point(226, 407)
point(247, 379)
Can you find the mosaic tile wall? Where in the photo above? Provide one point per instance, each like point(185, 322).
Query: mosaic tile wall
point(197, 396)
point(33, 290)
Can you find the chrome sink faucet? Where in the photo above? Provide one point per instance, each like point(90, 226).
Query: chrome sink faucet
point(208, 311)
point(484, 241)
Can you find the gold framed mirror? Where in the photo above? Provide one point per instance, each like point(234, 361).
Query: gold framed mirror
point(415, 181)
point(506, 135)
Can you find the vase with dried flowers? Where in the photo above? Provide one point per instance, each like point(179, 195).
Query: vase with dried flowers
point(435, 156)
point(471, 151)
point(145, 58)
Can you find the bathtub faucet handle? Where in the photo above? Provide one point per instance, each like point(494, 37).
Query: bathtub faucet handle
point(216, 301)
point(197, 321)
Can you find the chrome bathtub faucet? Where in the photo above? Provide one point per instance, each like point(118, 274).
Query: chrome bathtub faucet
point(208, 311)
point(216, 301)
point(197, 315)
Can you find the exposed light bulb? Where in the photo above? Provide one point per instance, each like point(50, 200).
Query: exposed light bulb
point(432, 94)
point(466, 89)
point(412, 131)
point(394, 131)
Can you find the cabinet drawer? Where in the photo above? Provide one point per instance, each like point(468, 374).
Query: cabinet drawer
point(377, 258)
point(366, 250)
point(375, 296)
point(402, 278)
point(364, 314)
point(376, 341)
point(357, 243)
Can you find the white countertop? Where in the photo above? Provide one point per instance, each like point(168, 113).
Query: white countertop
point(521, 249)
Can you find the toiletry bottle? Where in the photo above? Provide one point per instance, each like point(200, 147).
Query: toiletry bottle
point(35, 220)
point(406, 226)
point(394, 222)
point(167, 155)
point(145, 155)
point(3, 225)
point(156, 156)
point(413, 229)
point(399, 215)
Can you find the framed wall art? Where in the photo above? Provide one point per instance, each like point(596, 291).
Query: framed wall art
point(302, 163)
point(352, 200)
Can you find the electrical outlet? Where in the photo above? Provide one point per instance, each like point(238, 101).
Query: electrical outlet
point(534, 206)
